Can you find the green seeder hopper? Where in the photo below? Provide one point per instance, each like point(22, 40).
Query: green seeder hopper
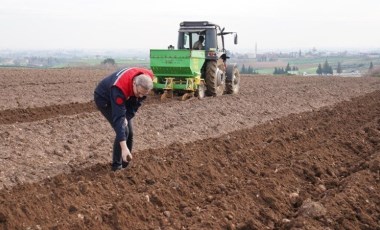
point(178, 71)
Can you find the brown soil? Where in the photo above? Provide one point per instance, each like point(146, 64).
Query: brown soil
point(285, 153)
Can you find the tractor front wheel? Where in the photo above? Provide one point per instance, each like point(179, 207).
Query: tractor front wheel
point(215, 79)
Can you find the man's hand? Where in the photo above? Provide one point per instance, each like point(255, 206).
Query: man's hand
point(127, 156)
point(125, 153)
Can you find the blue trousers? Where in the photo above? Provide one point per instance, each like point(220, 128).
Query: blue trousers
point(106, 111)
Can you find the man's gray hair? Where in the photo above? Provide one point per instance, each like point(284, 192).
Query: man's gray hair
point(144, 81)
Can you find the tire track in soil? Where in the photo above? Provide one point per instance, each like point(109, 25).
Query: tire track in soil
point(22, 115)
point(242, 182)
point(10, 116)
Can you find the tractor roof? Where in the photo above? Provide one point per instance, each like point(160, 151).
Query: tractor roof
point(197, 24)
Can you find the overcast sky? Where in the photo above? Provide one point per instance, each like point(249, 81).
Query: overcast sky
point(143, 24)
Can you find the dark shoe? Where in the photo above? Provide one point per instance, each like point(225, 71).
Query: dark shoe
point(125, 164)
point(116, 167)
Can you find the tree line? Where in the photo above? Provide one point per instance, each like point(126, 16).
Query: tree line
point(326, 68)
point(248, 70)
point(281, 70)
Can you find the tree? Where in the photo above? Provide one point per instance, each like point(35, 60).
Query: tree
point(326, 67)
point(250, 70)
point(287, 69)
point(108, 61)
point(339, 68)
point(330, 70)
point(243, 70)
point(319, 69)
point(370, 66)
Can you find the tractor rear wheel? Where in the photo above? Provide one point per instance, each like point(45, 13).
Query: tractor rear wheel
point(233, 84)
point(215, 79)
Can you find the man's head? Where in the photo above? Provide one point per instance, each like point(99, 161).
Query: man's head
point(142, 84)
point(201, 38)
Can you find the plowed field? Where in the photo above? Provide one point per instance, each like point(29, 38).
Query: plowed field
point(285, 153)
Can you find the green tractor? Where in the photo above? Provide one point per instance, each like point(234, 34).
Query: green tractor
point(195, 70)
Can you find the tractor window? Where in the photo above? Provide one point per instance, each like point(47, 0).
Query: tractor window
point(220, 43)
point(186, 41)
point(198, 41)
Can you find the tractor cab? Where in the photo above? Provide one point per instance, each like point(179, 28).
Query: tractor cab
point(190, 32)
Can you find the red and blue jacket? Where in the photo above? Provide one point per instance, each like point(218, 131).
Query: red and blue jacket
point(115, 92)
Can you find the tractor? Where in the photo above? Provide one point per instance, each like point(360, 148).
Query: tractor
point(190, 72)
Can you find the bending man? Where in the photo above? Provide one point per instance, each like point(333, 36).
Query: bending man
point(118, 98)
